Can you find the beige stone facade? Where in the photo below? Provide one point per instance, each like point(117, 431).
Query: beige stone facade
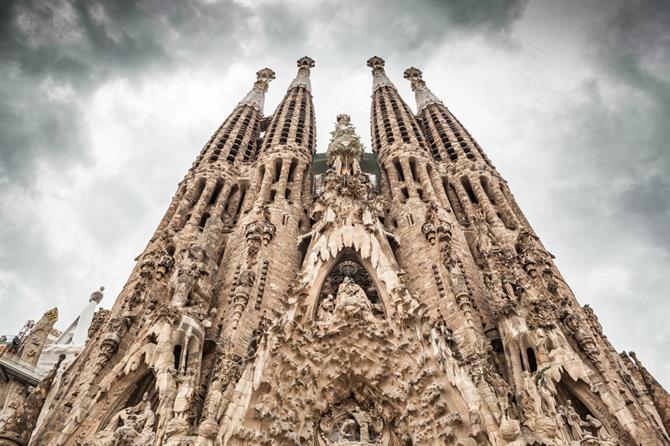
point(416, 308)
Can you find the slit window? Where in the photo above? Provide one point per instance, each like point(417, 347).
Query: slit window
point(465, 181)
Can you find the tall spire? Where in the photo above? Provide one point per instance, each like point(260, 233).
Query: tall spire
point(424, 96)
point(305, 64)
point(448, 140)
point(293, 120)
point(379, 78)
point(256, 97)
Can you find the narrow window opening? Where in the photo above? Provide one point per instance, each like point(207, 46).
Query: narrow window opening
point(243, 194)
point(523, 365)
point(203, 221)
point(412, 169)
point(532, 361)
point(277, 172)
point(177, 356)
point(403, 191)
point(292, 168)
point(465, 181)
point(217, 191)
point(398, 168)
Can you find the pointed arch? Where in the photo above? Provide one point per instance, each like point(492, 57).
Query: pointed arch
point(346, 254)
point(128, 392)
point(586, 402)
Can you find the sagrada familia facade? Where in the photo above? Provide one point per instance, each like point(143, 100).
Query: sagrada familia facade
point(292, 298)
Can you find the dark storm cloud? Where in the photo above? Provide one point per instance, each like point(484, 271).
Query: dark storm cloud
point(75, 46)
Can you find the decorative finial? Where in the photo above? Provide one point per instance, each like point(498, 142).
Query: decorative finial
point(265, 75)
point(414, 75)
point(423, 95)
point(345, 148)
point(302, 78)
point(306, 62)
point(97, 296)
point(376, 62)
point(256, 97)
point(379, 78)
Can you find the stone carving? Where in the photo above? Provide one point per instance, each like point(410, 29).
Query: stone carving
point(571, 420)
point(132, 425)
point(188, 284)
point(351, 301)
point(259, 232)
point(348, 424)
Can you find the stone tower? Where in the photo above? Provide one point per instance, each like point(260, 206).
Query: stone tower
point(416, 307)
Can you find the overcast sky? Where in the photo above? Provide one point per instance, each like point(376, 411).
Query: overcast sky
point(104, 105)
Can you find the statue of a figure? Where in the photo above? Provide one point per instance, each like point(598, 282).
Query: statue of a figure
point(132, 425)
point(501, 389)
point(547, 401)
point(572, 420)
point(186, 280)
point(351, 301)
point(441, 337)
point(598, 428)
point(327, 309)
point(185, 394)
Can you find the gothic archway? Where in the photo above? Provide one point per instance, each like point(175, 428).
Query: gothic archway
point(348, 264)
point(131, 393)
point(577, 398)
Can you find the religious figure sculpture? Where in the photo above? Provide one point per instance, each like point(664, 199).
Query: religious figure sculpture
point(351, 301)
point(132, 425)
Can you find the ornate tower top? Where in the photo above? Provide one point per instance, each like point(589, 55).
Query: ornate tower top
point(379, 78)
point(423, 94)
point(97, 295)
point(305, 64)
point(345, 145)
point(256, 97)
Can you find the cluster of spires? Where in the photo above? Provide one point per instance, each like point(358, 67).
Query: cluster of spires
point(256, 97)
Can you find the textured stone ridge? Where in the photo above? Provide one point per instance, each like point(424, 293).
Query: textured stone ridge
point(274, 306)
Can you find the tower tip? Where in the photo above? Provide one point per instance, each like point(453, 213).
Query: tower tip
point(306, 62)
point(265, 74)
point(413, 73)
point(376, 62)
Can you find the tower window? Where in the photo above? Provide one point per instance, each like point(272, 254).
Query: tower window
point(216, 192)
point(277, 171)
point(532, 361)
point(465, 181)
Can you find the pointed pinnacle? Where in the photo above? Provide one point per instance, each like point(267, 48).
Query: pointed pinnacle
point(415, 76)
point(265, 74)
point(306, 62)
point(376, 62)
